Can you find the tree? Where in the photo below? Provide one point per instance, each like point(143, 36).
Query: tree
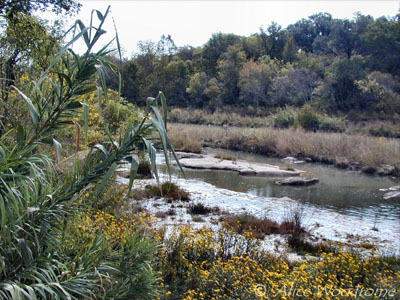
point(322, 23)
point(290, 50)
point(18, 53)
point(344, 73)
point(215, 47)
point(342, 39)
point(304, 33)
point(197, 86)
point(17, 25)
point(255, 81)
point(174, 81)
point(381, 44)
point(166, 47)
point(381, 90)
point(293, 87)
point(10, 8)
point(253, 47)
point(360, 25)
point(213, 92)
point(130, 81)
point(313, 62)
point(229, 67)
point(273, 40)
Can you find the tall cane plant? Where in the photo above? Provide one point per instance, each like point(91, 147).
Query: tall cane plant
point(36, 201)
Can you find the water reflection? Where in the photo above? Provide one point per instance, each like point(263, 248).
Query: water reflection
point(344, 191)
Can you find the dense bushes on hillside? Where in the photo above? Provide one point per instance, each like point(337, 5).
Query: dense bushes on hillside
point(332, 64)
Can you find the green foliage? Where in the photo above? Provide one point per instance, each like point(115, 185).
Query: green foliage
point(36, 204)
point(331, 123)
point(307, 118)
point(229, 67)
point(255, 80)
point(344, 73)
point(10, 7)
point(133, 276)
point(130, 80)
point(118, 115)
point(380, 90)
point(380, 41)
point(273, 40)
point(290, 50)
point(293, 87)
point(20, 56)
point(167, 190)
point(316, 60)
point(197, 89)
point(284, 118)
point(215, 47)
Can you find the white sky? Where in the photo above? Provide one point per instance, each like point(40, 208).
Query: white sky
point(193, 22)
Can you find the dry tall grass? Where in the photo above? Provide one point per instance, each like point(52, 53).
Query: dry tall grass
point(327, 147)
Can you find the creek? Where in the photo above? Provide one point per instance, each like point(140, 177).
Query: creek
point(344, 206)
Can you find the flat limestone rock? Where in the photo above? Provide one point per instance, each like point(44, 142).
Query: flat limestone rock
point(188, 155)
point(393, 188)
point(241, 166)
point(292, 160)
point(297, 181)
point(395, 195)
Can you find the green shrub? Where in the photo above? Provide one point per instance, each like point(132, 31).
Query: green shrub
point(118, 114)
point(144, 169)
point(37, 206)
point(307, 118)
point(332, 124)
point(168, 190)
point(249, 223)
point(284, 118)
point(201, 209)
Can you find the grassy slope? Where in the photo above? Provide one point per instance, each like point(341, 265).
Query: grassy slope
point(344, 150)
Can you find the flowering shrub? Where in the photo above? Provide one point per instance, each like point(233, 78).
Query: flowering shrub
point(202, 264)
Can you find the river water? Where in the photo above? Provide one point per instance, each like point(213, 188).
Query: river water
point(344, 203)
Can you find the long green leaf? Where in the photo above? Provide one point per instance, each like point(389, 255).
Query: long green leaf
point(58, 150)
point(105, 180)
point(85, 121)
point(132, 175)
point(26, 252)
point(164, 108)
point(152, 155)
point(61, 53)
point(32, 109)
point(85, 33)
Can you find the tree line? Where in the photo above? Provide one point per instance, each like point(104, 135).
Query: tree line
point(333, 64)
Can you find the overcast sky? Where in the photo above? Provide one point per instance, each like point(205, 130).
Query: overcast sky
point(193, 22)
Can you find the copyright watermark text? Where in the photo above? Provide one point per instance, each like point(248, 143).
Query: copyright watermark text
point(358, 292)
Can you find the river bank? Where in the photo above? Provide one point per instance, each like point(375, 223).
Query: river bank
point(330, 226)
point(355, 152)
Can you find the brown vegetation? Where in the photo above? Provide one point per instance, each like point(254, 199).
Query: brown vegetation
point(225, 156)
point(186, 143)
point(168, 190)
point(345, 150)
point(201, 209)
point(249, 223)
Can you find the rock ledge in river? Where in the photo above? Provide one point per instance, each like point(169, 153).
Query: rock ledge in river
point(297, 181)
point(292, 160)
point(395, 195)
point(240, 166)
